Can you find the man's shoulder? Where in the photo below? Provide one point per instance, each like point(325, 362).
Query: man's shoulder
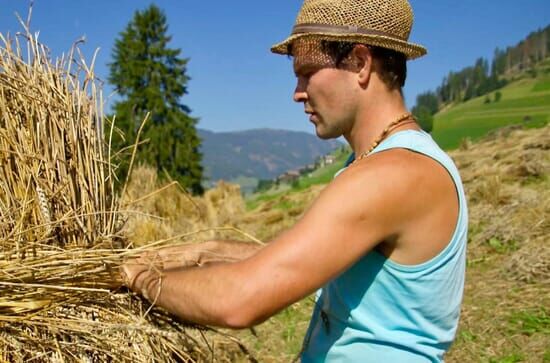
point(387, 168)
point(390, 179)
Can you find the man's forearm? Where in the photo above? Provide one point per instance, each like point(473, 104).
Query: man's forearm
point(201, 254)
point(227, 251)
point(212, 295)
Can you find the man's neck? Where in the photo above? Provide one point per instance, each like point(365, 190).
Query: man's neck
point(374, 115)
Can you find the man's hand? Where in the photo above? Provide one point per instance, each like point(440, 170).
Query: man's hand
point(180, 256)
point(142, 273)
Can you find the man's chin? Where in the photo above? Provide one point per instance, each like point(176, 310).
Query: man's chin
point(325, 137)
point(325, 134)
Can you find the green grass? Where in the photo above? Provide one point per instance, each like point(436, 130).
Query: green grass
point(320, 176)
point(512, 358)
point(466, 336)
point(529, 322)
point(280, 338)
point(284, 204)
point(541, 86)
point(524, 102)
point(503, 247)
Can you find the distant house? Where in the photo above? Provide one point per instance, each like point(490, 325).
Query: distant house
point(326, 160)
point(307, 169)
point(288, 177)
point(329, 159)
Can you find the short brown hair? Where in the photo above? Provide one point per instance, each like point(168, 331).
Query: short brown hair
point(393, 64)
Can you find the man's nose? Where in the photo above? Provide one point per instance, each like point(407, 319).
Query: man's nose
point(300, 94)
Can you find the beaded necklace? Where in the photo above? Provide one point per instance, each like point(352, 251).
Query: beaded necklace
point(384, 134)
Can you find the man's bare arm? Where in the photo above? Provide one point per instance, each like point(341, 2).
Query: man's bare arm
point(201, 254)
point(354, 213)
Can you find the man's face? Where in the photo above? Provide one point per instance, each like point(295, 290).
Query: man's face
point(327, 92)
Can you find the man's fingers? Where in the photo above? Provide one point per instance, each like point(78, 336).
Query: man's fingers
point(128, 274)
point(131, 271)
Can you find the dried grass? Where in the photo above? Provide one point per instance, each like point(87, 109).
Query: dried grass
point(506, 177)
point(163, 210)
point(506, 180)
point(531, 263)
point(61, 242)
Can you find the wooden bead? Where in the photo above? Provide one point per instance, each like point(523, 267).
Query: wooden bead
point(379, 139)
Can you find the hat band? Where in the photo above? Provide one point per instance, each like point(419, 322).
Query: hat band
point(340, 29)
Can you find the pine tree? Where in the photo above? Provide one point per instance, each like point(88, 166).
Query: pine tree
point(151, 78)
point(424, 117)
point(427, 104)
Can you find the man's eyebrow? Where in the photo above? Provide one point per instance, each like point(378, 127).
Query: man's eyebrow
point(302, 67)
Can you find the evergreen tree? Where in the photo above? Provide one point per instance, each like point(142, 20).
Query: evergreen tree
point(499, 63)
point(424, 117)
point(427, 104)
point(429, 101)
point(151, 78)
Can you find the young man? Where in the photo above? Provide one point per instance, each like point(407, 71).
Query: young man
point(385, 241)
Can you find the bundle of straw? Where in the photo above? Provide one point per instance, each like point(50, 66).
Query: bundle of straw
point(60, 245)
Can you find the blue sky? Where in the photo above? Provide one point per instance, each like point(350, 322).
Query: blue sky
point(236, 82)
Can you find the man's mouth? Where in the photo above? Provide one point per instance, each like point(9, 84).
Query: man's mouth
point(312, 115)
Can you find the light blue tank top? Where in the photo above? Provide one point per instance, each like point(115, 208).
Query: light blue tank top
point(383, 312)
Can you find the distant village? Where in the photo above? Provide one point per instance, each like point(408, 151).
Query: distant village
point(294, 174)
point(292, 177)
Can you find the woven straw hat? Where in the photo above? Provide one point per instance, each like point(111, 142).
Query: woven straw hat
point(383, 23)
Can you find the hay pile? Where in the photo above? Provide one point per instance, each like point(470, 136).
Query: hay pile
point(60, 226)
point(163, 211)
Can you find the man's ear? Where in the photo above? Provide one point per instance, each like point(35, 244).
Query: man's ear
point(363, 58)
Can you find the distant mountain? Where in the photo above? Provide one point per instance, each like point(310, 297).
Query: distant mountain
point(261, 153)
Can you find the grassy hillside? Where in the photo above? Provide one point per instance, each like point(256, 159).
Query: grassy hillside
point(525, 101)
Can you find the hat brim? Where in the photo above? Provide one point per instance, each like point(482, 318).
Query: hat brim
point(411, 50)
